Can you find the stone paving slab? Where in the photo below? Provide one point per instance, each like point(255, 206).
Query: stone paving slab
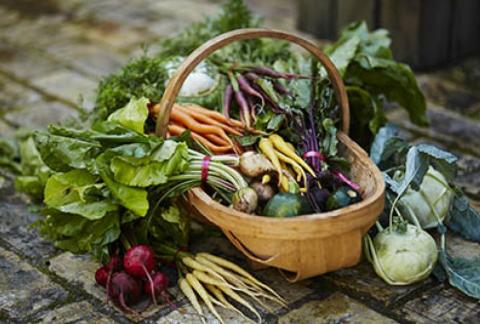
point(24, 63)
point(442, 305)
point(24, 290)
point(363, 282)
point(450, 129)
point(40, 114)
point(15, 221)
point(337, 308)
point(78, 312)
point(69, 86)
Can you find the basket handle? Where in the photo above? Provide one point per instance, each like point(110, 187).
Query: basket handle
point(202, 52)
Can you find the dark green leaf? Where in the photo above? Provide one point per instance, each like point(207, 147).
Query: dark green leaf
point(464, 219)
point(394, 80)
point(462, 273)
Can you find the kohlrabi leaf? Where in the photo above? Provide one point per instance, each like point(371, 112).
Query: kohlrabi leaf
point(443, 161)
point(415, 168)
point(464, 219)
point(463, 274)
point(133, 115)
point(386, 144)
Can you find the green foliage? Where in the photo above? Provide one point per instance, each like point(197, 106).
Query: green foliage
point(100, 179)
point(372, 76)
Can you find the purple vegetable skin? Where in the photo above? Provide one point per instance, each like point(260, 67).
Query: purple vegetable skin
point(227, 100)
point(261, 70)
point(248, 89)
point(244, 109)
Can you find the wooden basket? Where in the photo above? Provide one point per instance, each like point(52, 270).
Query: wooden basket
point(302, 246)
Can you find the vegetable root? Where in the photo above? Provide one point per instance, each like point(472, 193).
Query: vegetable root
point(190, 294)
point(197, 286)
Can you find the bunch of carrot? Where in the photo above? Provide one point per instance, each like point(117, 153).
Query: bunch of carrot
point(208, 128)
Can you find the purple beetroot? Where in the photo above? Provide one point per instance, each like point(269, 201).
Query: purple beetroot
point(126, 289)
point(139, 262)
point(101, 276)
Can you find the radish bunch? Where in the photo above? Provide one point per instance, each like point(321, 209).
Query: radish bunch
point(127, 279)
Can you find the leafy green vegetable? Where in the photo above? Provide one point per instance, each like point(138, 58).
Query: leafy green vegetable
point(170, 159)
point(33, 171)
point(134, 199)
point(76, 192)
point(464, 219)
point(372, 76)
point(133, 115)
point(462, 273)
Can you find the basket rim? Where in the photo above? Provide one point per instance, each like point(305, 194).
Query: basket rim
point(337, 214)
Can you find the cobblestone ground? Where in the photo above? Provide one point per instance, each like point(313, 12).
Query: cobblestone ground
point(53, 53)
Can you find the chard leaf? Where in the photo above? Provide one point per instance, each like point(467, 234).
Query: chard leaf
point(89, 210)
point(171, 225)
point(64, 153)
point(374, 43)
point(66, 188)
point(343, 52)
point(330, 141)
point(463, 274)
point(169, 159)
point(394, 80)
point(34, 172)
point(133, 115)
point(464, 219)
point(69, 193)
point(368, 113)
point(8, 155)
point(134, 199)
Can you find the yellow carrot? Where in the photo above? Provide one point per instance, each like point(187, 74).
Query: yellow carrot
point(268, 150)
point(197, 286)
point(298, 169)
point(188, 292)
point(232, 266)
point(279, 143)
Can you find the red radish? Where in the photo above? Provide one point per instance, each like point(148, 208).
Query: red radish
point(101, 276)
point(125, 288)
point(139, 261)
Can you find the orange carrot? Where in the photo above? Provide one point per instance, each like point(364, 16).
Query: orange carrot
point(215, 115)
point(202, 117)
point(178, 130)
point(193, 125)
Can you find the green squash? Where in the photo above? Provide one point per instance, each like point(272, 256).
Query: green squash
point(284, 204)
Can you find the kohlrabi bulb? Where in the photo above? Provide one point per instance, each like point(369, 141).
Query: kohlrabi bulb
point(433, 196)
point(404, 254)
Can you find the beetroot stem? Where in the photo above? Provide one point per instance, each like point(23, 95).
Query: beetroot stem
point(152, 286)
